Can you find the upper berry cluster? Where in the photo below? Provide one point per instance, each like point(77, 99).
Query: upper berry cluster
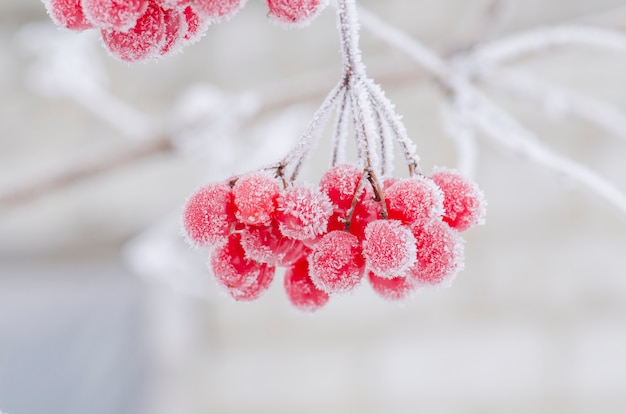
point(402, 236)
point(141, 30)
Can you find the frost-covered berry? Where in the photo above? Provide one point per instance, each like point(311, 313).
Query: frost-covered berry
point(336, 262)
point(174, 4)
point(295, 12)
point(217, 9)
point(196, 25)
point(464, 203)
point(340, 183)
point(389, 248)
point(68, 14)
point(439, 253)
point(266, 244)
point(414, 200)
point(114, 14)
point(209, 215)
point(255, 198)
point(143, 41)
point(300, 289)
point(303, 212)
point(395, 288)
point(243, 279)
point(175, 29)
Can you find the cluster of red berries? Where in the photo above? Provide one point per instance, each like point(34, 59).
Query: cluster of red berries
point(331, 236)
point(141, 30)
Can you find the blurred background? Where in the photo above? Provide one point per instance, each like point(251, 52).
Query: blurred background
point(104, 309)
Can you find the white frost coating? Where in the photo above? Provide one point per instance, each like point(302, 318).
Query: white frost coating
point(463, 136)
point(387, 111)
point(559, 100)
point(309, 138)
point(340, 132)
point(68, 64)
point(364, 128)
point(497, 123)
point(385, 142)
point(540, 40)
point(505, 130)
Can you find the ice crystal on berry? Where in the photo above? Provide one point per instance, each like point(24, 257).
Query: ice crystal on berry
point(114, 14)
point(396, 288)
point(255, 198)
point(295, 12)
point(68, 14)
point(414, 200)
point(218, 9)
point(464, 203)
point(209, 215)
point(267, 244)
point(336, 262)
point(303, 212)
point(389, 248)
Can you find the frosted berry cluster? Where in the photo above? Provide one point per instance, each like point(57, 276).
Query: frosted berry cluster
point(331, 236)
point(141, 30)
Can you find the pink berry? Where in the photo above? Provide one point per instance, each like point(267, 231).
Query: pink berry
point(209, 214)
point(414, 200)
point(300, 289)
point(114, 14)
point(439, 253)
point(389, 248)
point(68, 14)
point(142, 42)
point(340, 183)
point(303, 212)
point(218, 9)
point(243, 279)
point(174, 4)
point(464, 203)
point(196, 25)
point(395, 288)
point(255, 198)
point(295, 12)
point(336, 263)
point(266, 244)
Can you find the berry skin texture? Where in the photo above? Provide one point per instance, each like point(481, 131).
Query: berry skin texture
point(389, 248)
point(439, 254)
point(143, 41)
point(68, 14)
point(303, 212)
point(464, 203)
point(340, 183)
point(217, 9)
point(415, 200)
point(209, 215)
point(114, 14)
point(300, 289)
point(255, 198)
point(336, 263)
point(243, 279)
point(295, 12)
point(396, 288)
point(266, 244)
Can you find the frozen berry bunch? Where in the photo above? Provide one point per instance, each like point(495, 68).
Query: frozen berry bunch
point(401, 235)
point(143, 30)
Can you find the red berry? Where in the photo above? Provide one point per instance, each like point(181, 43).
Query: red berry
point(395, 288)
point(295, 12)
point(336, 262)
point(464, 203)
point(266, 244)
point(439, 253)
point(300, 289)
point(340, 183)
point(174, 4)
point(114, 14)
point(414, 200)
point(218, 9)
point(244, 279)
point(303, 212)
point(389, 248)
point(68, 14)
point(142, 42)
point(255, 198)
point(209, 214)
